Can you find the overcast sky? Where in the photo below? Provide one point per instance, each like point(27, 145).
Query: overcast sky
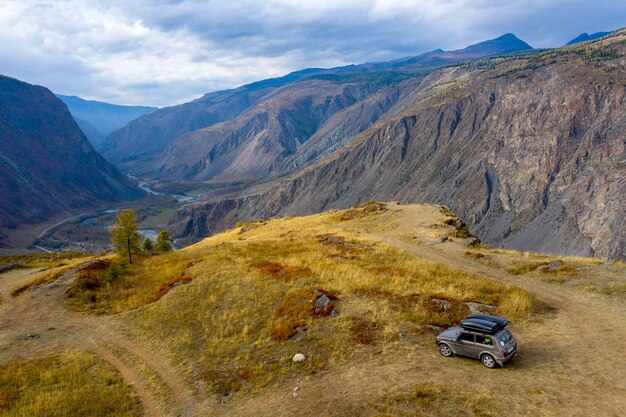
point(164, 52)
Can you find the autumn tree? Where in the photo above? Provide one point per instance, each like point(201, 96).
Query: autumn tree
point(164, 241)
point(125, 236)
point(148, 246)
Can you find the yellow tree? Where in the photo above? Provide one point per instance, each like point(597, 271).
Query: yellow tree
point(125, 236)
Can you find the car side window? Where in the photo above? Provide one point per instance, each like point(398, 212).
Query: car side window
point(466, 337)
point(484, 340)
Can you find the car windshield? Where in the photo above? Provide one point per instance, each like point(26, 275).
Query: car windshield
point(504, 337)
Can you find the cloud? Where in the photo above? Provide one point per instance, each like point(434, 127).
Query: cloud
point(162, 52)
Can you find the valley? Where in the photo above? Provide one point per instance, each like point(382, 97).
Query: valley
point(316, 209)
point(525, 145)
point(210, 347)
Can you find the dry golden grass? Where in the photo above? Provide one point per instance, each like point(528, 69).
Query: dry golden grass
point(40, 260)
point(72, 383)
point(50, 275)
point(247, 308)
point(524, 267)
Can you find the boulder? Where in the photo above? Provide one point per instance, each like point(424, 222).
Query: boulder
point(476, 308)
point(444, 305)
point(299, 358)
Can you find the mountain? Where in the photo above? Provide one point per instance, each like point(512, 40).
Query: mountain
point(584, 37)
point(529, 150)
point(273, 119)
point(505, 44)
point(97, 119)
point(47, 165)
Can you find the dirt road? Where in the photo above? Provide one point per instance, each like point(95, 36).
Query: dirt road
point(40, 313)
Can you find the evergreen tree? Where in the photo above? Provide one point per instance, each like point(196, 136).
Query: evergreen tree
point(125, 236)
point(164, 241)
point(148, 246)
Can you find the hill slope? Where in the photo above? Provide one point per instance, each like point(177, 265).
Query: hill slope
point(97, 119)
point(529, 150)
point(46, 163)
point(211, 330)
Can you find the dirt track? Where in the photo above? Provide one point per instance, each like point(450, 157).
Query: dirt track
point(571, 362)
point(40, 312)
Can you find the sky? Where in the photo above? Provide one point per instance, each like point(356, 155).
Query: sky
point(166, 52)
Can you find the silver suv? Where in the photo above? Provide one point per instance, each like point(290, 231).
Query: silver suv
point(480, 336)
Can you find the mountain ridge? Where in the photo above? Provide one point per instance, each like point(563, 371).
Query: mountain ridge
point(584, 37)
point(47, 165)
point(97, 119)
point(500, 186)
point(148, 139)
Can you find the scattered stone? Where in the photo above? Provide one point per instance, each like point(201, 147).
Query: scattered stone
point(478, 307)
point(296, 389)
point(473, 242)
point(8, 267)
point(554, 266)
point(445, 305)
point(299, 358)
point(322, 303)
point(31, 336)
point(443, 239)
point(228, 396)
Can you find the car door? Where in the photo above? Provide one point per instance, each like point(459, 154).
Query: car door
point(466, 345)
point(486, 343)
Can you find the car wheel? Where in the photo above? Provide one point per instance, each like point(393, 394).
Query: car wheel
point(488, 361)
point(445, 350)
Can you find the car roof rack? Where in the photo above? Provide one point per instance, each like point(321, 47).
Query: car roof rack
point(479, 325)
point(502, 322)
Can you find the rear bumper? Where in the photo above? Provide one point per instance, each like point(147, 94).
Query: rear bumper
point(510, 356)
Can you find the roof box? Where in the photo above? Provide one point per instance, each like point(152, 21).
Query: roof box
point(479, 325)
point(502, 322)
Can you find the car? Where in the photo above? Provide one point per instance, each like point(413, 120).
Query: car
point(479, 336)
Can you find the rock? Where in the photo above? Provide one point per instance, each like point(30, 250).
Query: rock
point(443, 239)
point(473, 242)
point(445, 305)
point(322, 302)
point(8, 267)
point(299, 358)
point(554, 266)
point(478, 307)
point(323, 306)
point(31, 336)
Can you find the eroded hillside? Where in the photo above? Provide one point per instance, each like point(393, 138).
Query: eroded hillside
point(529, 150)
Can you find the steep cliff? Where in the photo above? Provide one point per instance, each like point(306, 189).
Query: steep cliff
point(46, 163)
point(529, 150)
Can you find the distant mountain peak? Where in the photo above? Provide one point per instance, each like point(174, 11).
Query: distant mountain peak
point(584, 37)
point(504, 44)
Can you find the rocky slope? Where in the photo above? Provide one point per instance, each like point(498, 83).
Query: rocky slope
point(268, 138)
point(528, 150)
point(97, 119)
point(278, 125)
point(46, 163)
